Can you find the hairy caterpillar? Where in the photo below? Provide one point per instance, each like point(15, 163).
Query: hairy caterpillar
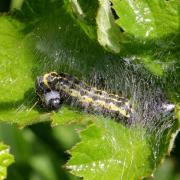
point(55, 89)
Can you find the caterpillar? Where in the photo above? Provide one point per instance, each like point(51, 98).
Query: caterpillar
point(55, 89)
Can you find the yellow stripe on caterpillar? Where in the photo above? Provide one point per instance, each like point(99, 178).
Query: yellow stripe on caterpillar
point(45, 79)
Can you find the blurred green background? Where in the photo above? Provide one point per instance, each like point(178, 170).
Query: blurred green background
point(41, 151)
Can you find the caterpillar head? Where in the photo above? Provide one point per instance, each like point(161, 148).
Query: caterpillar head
point(50, 98)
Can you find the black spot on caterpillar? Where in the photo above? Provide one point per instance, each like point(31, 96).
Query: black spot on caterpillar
point(55, 89)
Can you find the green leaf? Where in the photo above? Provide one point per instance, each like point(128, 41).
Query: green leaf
point(6, 159)
point(108, 32)
point(147, 19)
point(111, 151)
point(18, 100)
point(151, 32)
point(71, 115)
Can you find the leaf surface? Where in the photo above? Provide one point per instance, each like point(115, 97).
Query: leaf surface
point(110, 150)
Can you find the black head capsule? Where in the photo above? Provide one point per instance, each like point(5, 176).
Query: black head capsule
point(52, 100)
